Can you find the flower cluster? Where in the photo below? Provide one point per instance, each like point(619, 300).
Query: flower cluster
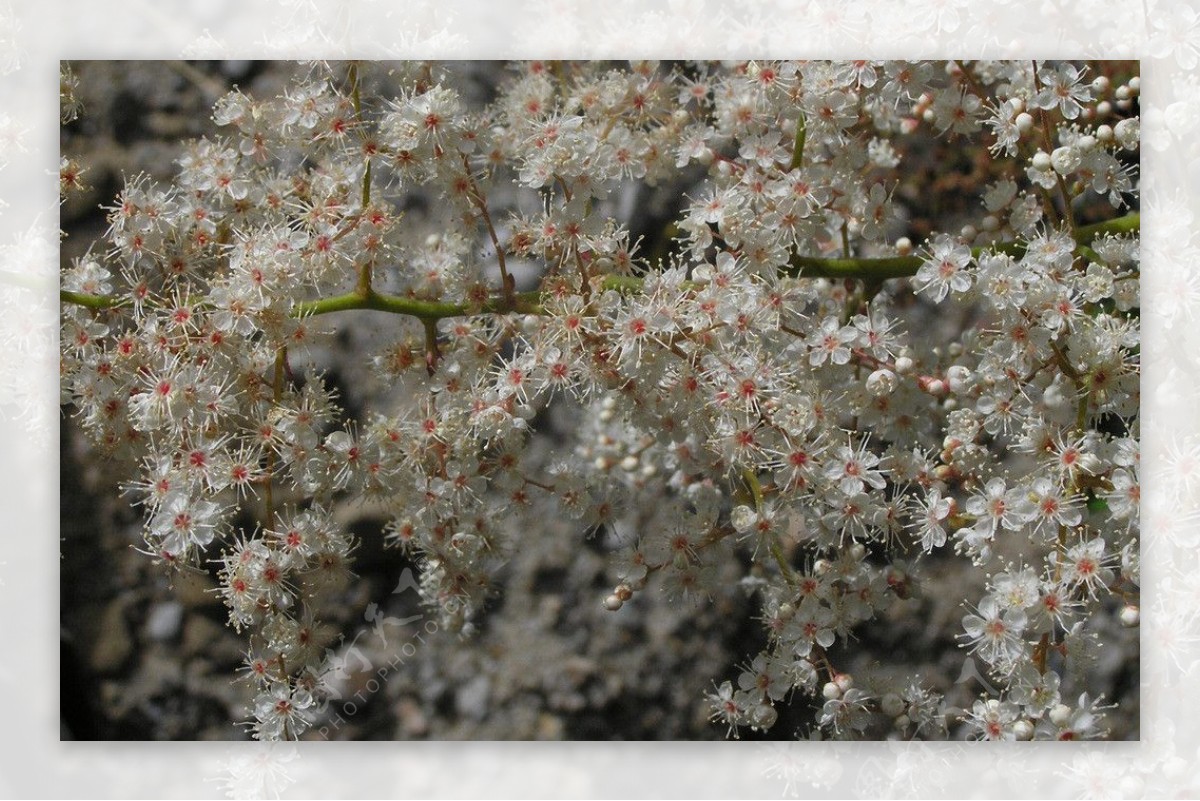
point(789, 381)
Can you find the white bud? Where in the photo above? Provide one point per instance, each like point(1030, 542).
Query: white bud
point(904, 246)
point(1023, 730)
point(1024, 122)
point(957, 377)
point(902, 722)
point(1131, 615)
point(1060, 715)
point(1127, 132)
point(936, 387)
point(1104, 133)
point(1065, 160)
point(844, 681)
point(882, 382)
point(1086, 142)
point(786, 612)
point(1053, 397)
point(904, 365)
point(1041, 161)
point(831, 691)
point(606, 415)
point(1101, 84)
point(1122, 93)
point(990, 222)
point(629, 464)
point(763, 716)
point(612, 603)
point(1090, 464)
point(1135, 84)
point(1103, 108)
point(742, 518)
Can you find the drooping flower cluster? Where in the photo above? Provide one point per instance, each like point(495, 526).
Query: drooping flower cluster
point(794, 380)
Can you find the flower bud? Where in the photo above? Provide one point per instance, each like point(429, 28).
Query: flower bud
point(1023, 730)
point(612, 603)
point(1131, 615)
point(882, 382)
point(1128, 132)
point(742, 518)
point(1065, 160)
point(904, 365)
point(763, 716)
point(957, 377)
point(1041, 161)
point(1060, 715)
point(831, 691)
point(934, 386)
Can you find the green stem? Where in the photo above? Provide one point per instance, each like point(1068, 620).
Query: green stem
point(880, 269)
point(89, 301)
point(525, 302)
point(906, 266)
point(798, 145)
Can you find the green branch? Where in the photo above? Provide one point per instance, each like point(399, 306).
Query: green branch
point(90, 301)
point(524, 303)
point(879, 269)
point(798, 144)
